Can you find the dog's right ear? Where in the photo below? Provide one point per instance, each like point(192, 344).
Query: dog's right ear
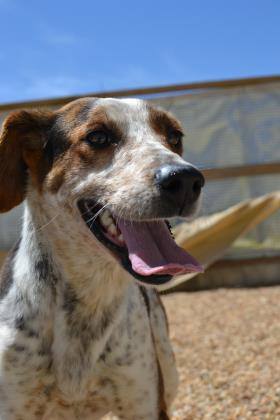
point(22, 143)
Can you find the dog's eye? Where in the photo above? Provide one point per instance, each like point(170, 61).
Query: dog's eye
point(99, 139)
point(175, 138)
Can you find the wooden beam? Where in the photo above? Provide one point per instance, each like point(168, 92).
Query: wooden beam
point(215, 84)
point(213, 174)
point(240, 262)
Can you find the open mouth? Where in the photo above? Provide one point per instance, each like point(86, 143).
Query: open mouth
point(145, 249)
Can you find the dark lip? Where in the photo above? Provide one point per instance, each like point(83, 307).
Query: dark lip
point(120, 253)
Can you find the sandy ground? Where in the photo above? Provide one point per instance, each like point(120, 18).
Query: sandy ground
point(227, 346)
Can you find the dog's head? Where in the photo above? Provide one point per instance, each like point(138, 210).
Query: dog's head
point(118, 164)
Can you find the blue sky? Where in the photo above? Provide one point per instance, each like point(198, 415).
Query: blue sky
point(53, 48)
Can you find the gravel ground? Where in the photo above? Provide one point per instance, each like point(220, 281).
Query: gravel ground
point(227, 346)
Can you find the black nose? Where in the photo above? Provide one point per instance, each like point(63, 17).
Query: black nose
point(180, 183)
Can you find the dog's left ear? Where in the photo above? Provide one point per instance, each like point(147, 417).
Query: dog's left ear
point(22, 143)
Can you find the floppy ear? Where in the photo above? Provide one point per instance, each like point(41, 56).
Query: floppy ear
point(22, 142)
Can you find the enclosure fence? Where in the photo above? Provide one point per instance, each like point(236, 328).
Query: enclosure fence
point(232, 132)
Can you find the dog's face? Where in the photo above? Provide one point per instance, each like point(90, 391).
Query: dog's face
point(118, 163)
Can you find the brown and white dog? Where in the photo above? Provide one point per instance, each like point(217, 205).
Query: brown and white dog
point(79, 334)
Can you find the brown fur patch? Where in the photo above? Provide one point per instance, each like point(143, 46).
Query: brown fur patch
point(56, 177)
point(163, 124)
point(76, 112)
point(21, 149)
point(80, 153)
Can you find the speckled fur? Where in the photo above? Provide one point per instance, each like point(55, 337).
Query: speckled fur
point(76, 336)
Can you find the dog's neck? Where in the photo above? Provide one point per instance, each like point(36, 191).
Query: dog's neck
point(52, 246)
point(78, 296)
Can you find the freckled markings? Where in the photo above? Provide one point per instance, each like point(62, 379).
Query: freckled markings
point(18, 348)
point(43, 269)
point(86, 328)
point(7, 272)
point(21, 324)
point(70, 300)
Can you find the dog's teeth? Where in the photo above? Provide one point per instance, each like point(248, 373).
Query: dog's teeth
point(112, 229)
point(106, 213)
point(108, 222)
point(106, 219)
point(106, 216)
point(120, 238)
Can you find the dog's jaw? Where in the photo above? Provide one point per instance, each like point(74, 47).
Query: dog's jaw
point(75, 253)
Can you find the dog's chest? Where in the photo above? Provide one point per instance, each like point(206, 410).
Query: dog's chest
point(80, 375)
point(125, 363)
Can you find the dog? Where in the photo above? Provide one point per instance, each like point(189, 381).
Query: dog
point(82, 328)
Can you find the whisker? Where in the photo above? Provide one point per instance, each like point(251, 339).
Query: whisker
point(48, 223)
point(94, 217)
point(88, 210)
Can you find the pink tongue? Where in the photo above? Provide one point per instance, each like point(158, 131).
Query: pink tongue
point(152, 250)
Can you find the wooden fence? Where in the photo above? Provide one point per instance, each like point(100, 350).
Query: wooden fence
point(211, 174)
